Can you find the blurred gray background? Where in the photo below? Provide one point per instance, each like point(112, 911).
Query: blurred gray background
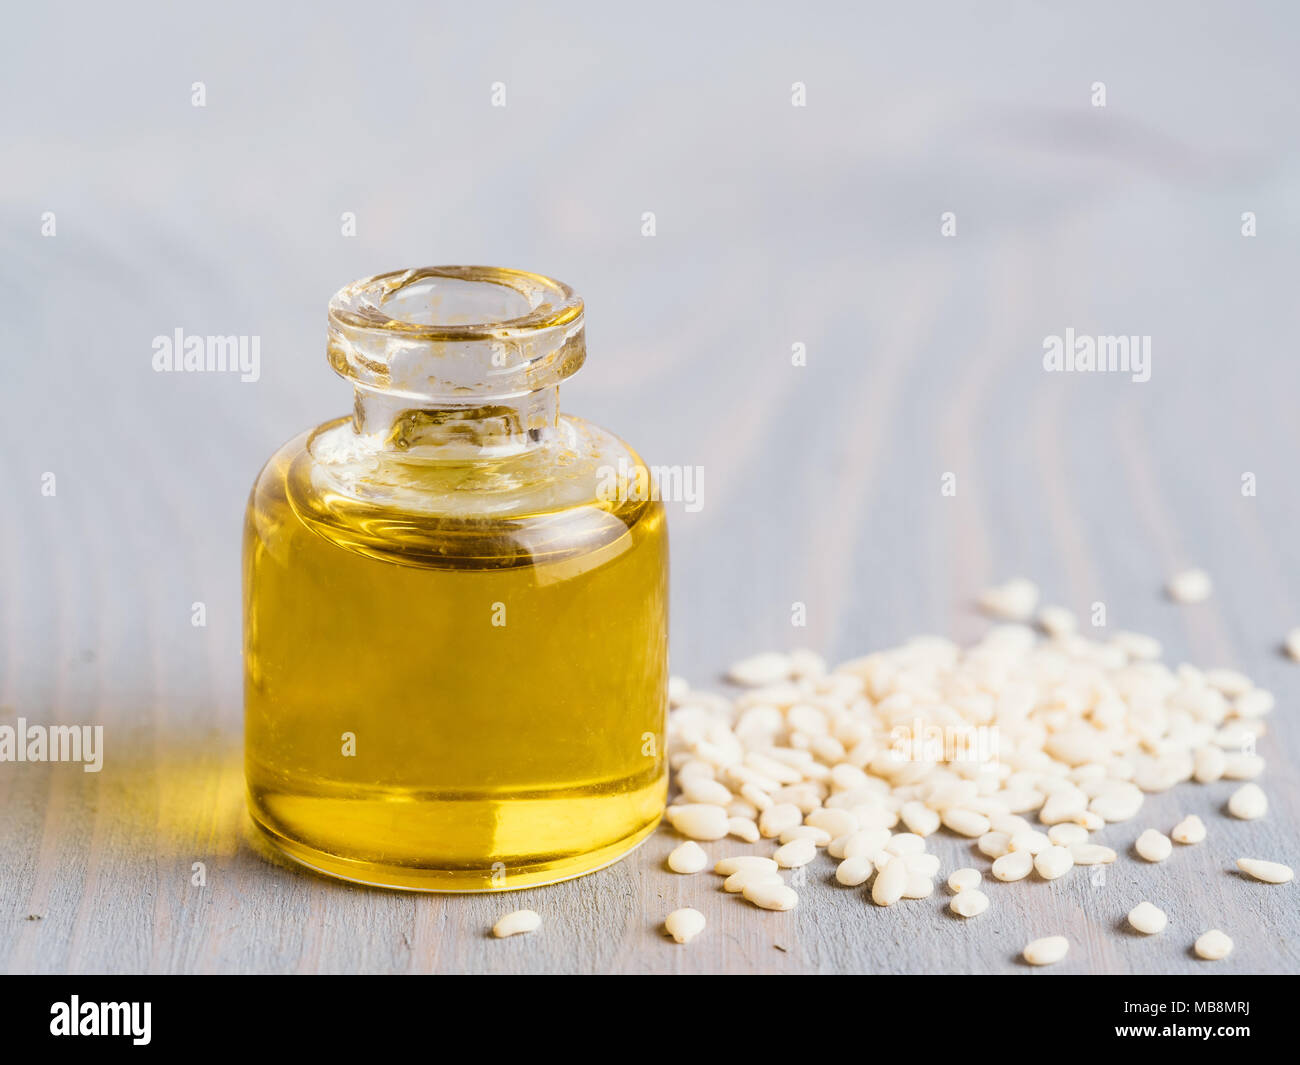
point(776, 225)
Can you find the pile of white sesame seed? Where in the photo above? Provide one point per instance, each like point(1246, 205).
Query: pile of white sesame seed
point(839, 759)
point(869, 758)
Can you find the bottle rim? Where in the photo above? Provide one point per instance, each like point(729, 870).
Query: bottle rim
point(360, 305)
point(401, 332)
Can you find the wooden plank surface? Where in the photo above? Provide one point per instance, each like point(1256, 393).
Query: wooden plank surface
point(776, 225)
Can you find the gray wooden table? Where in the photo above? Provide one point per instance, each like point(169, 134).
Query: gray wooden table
point(775, 225)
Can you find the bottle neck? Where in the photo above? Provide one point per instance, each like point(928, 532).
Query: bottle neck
point(487, 428)
point(455, 362)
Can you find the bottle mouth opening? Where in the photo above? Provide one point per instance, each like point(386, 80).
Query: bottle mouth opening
point(453, 333)
point(451, 303)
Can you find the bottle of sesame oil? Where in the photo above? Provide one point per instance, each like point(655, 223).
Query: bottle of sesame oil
point(455, 635)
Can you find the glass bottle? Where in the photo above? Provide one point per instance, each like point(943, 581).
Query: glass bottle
point(455, 603)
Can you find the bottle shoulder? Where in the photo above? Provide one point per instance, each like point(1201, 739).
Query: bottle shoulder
point(570, 494)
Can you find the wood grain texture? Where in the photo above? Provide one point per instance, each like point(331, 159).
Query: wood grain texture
point(776, 225)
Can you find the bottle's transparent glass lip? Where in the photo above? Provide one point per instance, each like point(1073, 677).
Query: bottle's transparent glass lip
point(360, 305)
point(492, 331)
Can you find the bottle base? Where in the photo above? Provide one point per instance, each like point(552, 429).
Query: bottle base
point(451, 881)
